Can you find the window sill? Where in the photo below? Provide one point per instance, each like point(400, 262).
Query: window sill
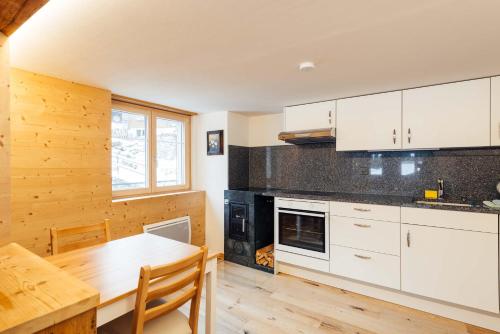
point(143, 197)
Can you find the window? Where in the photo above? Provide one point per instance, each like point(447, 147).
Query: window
point(149, 150)
point(170, 152)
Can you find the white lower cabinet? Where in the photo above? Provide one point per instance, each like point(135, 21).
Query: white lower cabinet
point(371, 267)
point(451, 265)
point(446, 255)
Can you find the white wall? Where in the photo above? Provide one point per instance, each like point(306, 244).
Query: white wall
point(238, 129)
point(4, 141)
point(264, 130)
point(210, 174)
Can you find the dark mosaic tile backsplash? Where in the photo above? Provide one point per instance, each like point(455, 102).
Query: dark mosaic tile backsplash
point(238, 167)
point(471, 173)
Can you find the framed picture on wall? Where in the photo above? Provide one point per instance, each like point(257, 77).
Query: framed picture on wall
point(215, 142)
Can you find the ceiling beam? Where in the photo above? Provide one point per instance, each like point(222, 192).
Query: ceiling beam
point(142, 103)
point(13, 13)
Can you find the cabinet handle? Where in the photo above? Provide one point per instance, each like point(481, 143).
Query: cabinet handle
point(409, 135)
point(243, 225)
point(362, 225)
point(362, 210)
point(408, 239)
point(330, 117)
point(394, 136)
point(362, 257)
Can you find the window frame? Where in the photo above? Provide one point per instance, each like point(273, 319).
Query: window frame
point(151, 174)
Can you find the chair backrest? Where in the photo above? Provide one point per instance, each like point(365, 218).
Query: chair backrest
point(186, 272)
point(100, 234)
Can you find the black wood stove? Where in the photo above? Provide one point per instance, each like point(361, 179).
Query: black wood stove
point(248, 226)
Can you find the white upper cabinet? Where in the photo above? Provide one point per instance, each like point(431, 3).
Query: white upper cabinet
point(495, 111)
point(450, 115)
point(310, 116)
point(371, 122)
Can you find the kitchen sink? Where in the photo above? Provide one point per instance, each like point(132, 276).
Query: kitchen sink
point(465, 205)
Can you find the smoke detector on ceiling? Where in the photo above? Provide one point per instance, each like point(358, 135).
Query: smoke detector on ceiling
point(306, 66)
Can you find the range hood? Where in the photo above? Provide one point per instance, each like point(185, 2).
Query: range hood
point(308, 136)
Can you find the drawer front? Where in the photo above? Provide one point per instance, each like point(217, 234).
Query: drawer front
point(371, 235)
point(468, 221)
point(375, 268)
point(366, 211)
point(302, 261)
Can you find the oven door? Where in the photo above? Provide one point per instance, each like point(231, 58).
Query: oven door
point(303, 232)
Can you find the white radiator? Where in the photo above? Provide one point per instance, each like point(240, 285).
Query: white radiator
point(177, 229)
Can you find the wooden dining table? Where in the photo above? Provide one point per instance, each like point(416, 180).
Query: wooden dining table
point(113, 269)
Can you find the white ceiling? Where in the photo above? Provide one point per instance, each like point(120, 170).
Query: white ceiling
point(212, 55)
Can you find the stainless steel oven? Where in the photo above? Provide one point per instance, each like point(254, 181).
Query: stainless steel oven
point(302, 227)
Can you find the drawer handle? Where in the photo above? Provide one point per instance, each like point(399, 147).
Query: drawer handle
point(362, 257)
point(362, 225)
point(362, 210)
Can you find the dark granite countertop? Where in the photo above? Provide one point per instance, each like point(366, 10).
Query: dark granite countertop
point(395, 200)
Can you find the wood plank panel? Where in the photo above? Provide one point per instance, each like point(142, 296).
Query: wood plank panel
point(61, 167)
point(130, 215)
point(13, 13)
point(4, 141)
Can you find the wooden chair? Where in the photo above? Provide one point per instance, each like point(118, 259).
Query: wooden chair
point(155, 315)
point(56, 234)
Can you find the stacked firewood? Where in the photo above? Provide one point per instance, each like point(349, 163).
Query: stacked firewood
point(265, 256)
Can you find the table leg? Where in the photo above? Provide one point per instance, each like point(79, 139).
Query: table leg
point(211, 286)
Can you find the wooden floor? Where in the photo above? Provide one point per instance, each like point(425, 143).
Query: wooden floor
point(250, 301)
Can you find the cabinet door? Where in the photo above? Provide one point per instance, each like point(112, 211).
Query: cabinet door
point(310, 116)
point(455, 266)
point(451, 115)
point(495, 111)
point(371, 122)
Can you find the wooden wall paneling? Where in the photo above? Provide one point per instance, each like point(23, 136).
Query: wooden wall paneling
point(4, 141)
point(61, 166)
point(61, 173)
point(13, 13)
point(129, 216)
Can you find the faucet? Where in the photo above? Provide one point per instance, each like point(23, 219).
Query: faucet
point(440, 183)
